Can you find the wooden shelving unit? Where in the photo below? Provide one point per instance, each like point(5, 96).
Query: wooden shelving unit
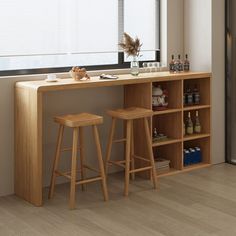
point(170, 121)
point(30, 107)
point(167, 111)
point(195, 136)
point(166, 142)
point(196, 107)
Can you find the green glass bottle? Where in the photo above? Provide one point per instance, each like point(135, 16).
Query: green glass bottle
point(189, 128)
point(197, 126)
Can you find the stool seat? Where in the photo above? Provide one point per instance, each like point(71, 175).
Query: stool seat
point(78, 120)
point(130, 113)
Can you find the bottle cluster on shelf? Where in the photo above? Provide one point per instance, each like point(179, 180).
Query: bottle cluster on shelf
point(177, 66)
point(189, 127)
point(192, 156)
point(191, 96)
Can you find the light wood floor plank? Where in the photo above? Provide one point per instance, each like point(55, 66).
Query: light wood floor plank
point(198, 203)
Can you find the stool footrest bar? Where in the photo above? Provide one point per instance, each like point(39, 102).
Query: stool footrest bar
point(91, 168)
point(141, 158)
point(119, 140)
point(118, 163)
point(89, 180)
point(65, 174)
point(68, 149)
point(140, 169)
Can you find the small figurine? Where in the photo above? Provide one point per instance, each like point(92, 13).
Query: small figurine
point(159, 98)
point(79, 73)
point(158, 136)
point(155, 134)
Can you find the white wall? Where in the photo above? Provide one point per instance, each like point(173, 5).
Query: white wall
point(218, 84)
point(172, 29)
point(204, 42)
point(198, 33)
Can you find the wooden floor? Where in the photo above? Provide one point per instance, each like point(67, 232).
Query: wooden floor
point(199, 203)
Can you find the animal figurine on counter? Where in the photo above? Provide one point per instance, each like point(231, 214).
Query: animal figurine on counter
point(79, 73)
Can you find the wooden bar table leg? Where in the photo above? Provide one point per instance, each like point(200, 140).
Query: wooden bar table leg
point(56, 161)
point(28, 145)
point(100, 162)
point(127, 157)
point(73, 168)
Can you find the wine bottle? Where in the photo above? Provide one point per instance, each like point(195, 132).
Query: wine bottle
point(172, 64)
point(189, 99)
point(196, 95)
point(186, 64)
point(189, 128)
point(197, 126)
point(179, 64)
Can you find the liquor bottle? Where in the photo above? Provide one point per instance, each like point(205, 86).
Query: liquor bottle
point(186, 64)
point(197, 126)
point(180, 64)
point(189, 96)
point(172, 64)
point(189, 128)
point(196, 95)
point(184, 129)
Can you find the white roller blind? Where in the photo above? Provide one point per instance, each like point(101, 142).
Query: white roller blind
point(61, 33)
point(140, 19)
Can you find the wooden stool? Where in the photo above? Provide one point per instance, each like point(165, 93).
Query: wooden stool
point(77, 122)
point(129, 115)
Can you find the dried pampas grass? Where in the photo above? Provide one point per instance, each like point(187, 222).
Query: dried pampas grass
point(130, 46)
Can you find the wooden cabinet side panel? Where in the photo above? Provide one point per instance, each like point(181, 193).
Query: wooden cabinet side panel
point(28, 145)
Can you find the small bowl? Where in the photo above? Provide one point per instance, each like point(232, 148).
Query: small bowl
point(77, 75)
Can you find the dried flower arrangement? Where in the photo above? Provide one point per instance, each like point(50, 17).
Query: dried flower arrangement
point(131, 46)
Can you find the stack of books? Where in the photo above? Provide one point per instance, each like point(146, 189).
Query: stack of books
point(162, 165)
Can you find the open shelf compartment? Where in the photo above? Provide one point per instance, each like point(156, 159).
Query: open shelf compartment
point(203, 86)
point(204, 118)
point(169, 125)
point(204, 145)
point(173, 153)
point(174, 89)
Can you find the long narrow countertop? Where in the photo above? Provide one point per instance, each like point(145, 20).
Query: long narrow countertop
point(124, 79)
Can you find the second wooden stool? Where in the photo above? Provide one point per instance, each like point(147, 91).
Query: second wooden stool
point(129, 115)
point(77, 122)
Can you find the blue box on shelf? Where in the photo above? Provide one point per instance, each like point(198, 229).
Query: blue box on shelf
point(192, 156)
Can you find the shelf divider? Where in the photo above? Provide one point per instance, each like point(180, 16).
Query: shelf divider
point(195, 136)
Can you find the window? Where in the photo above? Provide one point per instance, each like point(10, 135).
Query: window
point(50, 36)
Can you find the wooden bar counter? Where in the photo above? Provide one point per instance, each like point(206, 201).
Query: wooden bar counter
point(137, 92)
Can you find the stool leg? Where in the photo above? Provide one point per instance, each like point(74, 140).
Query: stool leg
point(132, 151)
point(73, 168)
point(81, 144)
point(127, 157)
point(100, 162)
point(56, 161)
point(150, 152)
point(109, 146)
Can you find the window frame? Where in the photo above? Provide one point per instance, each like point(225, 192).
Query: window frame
point(120, 65)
